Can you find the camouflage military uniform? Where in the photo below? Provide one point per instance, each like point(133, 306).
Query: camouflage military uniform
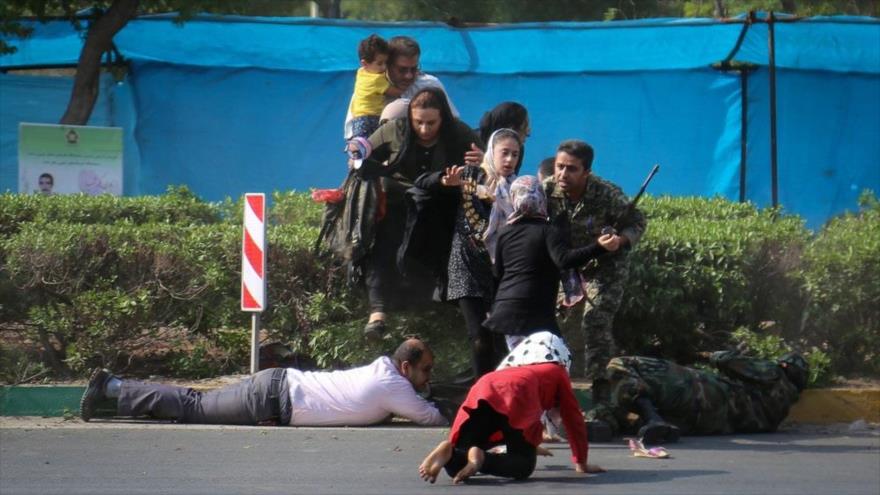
point(603, 204)
point(744, 395)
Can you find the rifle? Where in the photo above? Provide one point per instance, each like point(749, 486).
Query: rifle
point(608, 229)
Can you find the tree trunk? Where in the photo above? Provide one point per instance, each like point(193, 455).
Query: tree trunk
point(330, 9)
point(719, 9)
point(88, 69)
point(789, 6)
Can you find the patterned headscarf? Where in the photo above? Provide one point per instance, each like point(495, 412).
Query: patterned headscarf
point(499, 188)
point(539, 347)
point(528, 199)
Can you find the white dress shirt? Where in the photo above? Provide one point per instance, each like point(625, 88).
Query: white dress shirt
point(356, 397)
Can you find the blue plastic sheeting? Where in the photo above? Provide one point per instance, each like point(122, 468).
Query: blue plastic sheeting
point(51, 43)
point(841, 44)
point(228, 131)
point(332, 45)
point(828, 139)
point(216, 105)
point(225, 132)
point(42, 100)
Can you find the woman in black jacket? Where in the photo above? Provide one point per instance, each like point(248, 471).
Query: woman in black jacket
point(529, 254)
point(405, 153)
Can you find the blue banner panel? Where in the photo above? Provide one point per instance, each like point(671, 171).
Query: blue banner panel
point(224, 132)
point(828, 147)
point(43, 100)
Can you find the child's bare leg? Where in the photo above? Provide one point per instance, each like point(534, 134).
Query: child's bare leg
point(434, 462)
point(475, 459)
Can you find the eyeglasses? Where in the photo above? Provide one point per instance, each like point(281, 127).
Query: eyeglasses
point(407, 70)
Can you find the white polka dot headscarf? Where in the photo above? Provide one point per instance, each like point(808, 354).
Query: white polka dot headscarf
point(539, 347)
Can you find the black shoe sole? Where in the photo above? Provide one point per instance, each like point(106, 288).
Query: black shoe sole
point(94, 394)
point(659, 434)
point(374, 331)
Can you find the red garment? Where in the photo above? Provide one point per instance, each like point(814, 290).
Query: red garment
point(328, 195)
point(523, 393)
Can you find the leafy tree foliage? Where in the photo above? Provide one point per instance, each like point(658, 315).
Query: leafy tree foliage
point(501, 11)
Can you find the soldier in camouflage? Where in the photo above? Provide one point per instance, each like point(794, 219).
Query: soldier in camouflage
point(742, 395)
point(592, 204)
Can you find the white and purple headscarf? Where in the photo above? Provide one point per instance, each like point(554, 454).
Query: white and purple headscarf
point(499, 188)
point(528, 199)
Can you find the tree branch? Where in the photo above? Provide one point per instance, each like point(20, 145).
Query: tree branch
point(88, 69)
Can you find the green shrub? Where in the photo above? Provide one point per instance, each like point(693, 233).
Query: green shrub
point(842, 281)
point(285, 208)
point(89, 287)
point(773, 347)
point(663, 208)
point(97, 281)
point(178, 205)
point(694, 279)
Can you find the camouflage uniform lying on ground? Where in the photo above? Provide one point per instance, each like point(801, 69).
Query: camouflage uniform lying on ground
point(744, 395)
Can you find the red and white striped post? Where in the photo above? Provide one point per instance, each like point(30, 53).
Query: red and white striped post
point(253, 268)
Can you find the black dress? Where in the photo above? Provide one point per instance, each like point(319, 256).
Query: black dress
point(528, 258)
point(470, 267)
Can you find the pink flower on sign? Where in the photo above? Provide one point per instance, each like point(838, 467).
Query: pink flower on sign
point(90, 183)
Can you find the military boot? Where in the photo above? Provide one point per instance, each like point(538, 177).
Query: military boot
point(656, 430)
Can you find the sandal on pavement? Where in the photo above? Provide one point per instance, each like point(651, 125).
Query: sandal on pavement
point(639, 450)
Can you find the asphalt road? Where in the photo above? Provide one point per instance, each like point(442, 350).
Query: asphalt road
point(54, 457)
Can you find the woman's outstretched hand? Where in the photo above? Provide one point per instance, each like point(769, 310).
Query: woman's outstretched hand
point(452, 176)
point(473, 156)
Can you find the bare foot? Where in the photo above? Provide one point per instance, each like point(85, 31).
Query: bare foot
point(475, 457)
point(434, 462)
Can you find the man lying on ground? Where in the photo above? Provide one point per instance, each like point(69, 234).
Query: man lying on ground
point(742, 395)
point(361, 396)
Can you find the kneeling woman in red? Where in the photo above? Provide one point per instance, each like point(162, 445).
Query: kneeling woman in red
point(509, 401)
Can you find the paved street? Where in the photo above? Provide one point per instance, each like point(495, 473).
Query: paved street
point(56, 457)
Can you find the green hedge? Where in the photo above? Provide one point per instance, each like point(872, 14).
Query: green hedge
point(104, 281)
point(841, 273)
point(709, 267)
point(178, 206)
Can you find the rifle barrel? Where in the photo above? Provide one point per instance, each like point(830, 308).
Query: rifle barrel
point(650, 176)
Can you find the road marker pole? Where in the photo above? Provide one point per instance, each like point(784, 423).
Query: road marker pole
point(253, 268)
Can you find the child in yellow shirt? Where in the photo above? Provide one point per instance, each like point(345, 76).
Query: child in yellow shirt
point(371, 85)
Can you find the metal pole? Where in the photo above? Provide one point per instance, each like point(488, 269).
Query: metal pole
point(743, 132)
point(773, 165)
point(255, 342)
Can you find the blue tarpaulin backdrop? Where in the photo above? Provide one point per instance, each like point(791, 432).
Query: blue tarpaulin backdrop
point(227, 105)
